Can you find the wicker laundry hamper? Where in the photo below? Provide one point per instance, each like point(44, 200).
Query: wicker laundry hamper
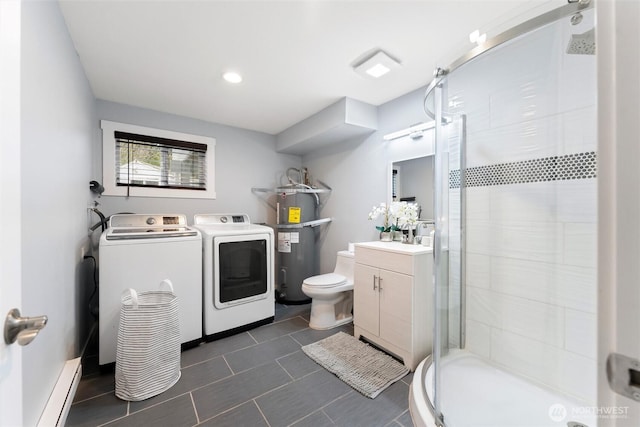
point(148, 351)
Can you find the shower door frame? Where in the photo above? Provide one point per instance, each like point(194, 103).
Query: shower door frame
point(439, 115)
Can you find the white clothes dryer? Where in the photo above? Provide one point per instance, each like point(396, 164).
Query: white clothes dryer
point(139, 251)
point(238, 273)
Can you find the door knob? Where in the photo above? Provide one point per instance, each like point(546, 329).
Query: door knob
point(22, 329)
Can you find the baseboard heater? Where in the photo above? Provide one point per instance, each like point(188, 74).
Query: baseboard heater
point(57, 408)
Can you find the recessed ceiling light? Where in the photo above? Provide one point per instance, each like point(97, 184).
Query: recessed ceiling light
point(378, 70)
point(232, 77)
point(377, 65)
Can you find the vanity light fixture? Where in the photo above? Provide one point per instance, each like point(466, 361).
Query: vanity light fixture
point(376, 65)
point(414, 132)
point(232, 77)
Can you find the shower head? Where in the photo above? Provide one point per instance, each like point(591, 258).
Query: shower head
point(583, 44)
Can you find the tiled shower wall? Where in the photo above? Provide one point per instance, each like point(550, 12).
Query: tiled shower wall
point(531, 209)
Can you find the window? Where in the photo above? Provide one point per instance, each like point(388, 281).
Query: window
point(149, 161)
point(146, 162)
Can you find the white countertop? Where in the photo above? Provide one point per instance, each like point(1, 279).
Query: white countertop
point(397, 247)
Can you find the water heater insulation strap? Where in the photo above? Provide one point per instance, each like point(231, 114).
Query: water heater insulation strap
point(315, 223)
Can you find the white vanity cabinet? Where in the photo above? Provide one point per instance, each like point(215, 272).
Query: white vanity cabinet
point(393, 298)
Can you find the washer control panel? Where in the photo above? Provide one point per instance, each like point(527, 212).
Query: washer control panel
point(134, 226)
point(142, 220)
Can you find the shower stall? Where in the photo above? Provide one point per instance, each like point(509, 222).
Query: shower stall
point(516, 228)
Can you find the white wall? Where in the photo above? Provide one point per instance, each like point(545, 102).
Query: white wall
point(618, 42)
point(244, 159)
point(358, 172)
point(57, 112)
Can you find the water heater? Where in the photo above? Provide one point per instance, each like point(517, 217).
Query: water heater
point(297, 237)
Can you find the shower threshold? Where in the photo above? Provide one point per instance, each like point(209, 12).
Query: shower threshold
point(476, 393)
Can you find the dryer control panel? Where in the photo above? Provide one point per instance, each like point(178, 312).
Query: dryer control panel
point(221, 219)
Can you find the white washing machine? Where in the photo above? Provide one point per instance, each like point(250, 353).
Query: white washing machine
point(238, 269)
point(139, 251)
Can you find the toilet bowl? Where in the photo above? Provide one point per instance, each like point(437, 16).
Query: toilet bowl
point(331, 294)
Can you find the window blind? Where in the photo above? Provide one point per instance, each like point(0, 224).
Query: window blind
point(149, 161)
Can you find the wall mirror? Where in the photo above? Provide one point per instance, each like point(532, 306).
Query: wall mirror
point(412, 180)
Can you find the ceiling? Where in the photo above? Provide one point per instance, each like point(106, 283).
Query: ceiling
point(295, 56)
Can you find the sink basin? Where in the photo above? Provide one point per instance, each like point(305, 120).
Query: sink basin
point(397, 247)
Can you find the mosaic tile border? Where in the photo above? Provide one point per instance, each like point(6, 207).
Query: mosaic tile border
point(557, 168)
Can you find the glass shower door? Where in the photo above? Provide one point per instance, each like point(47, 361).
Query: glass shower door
point(448, 258)
point(515, 252)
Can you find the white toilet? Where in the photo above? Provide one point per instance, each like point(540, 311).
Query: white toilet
point(331, 294)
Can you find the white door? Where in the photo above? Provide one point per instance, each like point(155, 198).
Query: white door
point(10, 242)
point(618, 57)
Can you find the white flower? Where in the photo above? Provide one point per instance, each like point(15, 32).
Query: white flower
point(396, 215)
point(382, 210)
point(376, 211)
point(405, 213)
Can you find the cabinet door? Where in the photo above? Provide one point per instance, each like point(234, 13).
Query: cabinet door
point(396, 308)
point(366, 298)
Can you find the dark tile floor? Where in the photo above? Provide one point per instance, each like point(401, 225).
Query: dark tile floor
point(255, 378)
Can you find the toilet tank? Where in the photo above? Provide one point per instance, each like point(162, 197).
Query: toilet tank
point(344, 264)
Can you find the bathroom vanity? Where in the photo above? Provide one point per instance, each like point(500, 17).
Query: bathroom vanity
point(393, 298)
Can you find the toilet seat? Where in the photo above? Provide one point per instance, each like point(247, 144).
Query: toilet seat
point(328, 280)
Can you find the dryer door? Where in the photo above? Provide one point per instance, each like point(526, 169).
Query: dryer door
point(242, 269)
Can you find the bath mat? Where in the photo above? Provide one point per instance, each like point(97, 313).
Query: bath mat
point(361, 366)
